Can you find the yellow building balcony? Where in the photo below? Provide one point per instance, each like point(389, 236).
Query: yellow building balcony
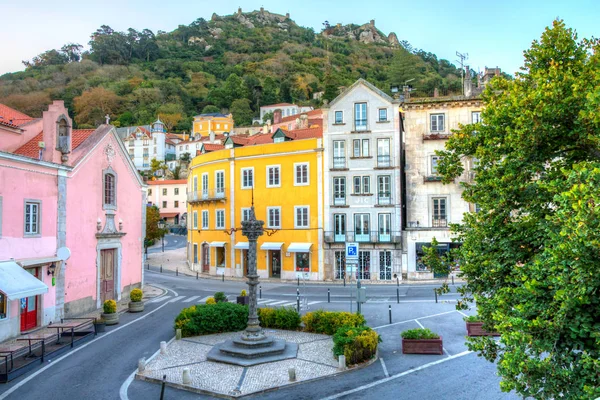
point(207, 196)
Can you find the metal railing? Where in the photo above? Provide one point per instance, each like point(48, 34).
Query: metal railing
point(384, 198)
point(206, 195)
point(439, 222)
point(381, 236)
point(383, 161)
point(339, 162)
point(339, 199)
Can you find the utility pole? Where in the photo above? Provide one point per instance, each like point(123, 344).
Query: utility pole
point(462, 57)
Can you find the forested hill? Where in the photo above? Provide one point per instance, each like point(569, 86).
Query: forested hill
point(232, 62)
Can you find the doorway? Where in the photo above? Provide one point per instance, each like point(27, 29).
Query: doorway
point(107, 274)
point(29, 306)
point(205, 257)
point(275, 263)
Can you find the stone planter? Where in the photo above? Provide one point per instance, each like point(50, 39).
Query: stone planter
point(111, 319)
point(422, 346)
point(476, 329)
point(245, 300)
point(136, 306)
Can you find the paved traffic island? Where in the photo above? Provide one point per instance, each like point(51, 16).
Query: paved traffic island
point(314, 360)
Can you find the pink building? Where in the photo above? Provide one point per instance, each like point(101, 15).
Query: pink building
point(170, 197)
point(72, 218)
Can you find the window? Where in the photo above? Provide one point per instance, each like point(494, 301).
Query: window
point(195, 220)
point(301, 217)
point(477, 208)
point(340, 264)
point(385, 265)
point(360, 116)
point(220, 219)
point(205, 185)
point(32, 217)
point(176, 204)
point(187, 147)
point(245, 214)
point(155, 140)
point(434, 165)
point(273, 176)
point(385, 227)
point(164, 204)
point(220, 183)
point(131, 153)
point(218, 126)
point(384, 192)
point(164, 192)
point(339, 154)
point(154, 150)
point(204, 219)
point(383, 115)
point(439, 217)
point(361, 227)
point(3, 306)
point(437, 122)
point(362, 185)
point(176, 191)
point(339, 191)
point(274, 217)
point(339, 117)
point(110, 187)
point(475, 117)
point(383, 153)
point(361, 148)
point(195, 188)
point(301, 174)
point(149, 192)
point(364, 265)
point(302, 262)
point(279, 139)
point(146, 143)
point(247, 178)
point(339, 227)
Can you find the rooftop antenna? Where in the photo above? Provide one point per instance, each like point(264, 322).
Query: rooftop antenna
point(462, 57)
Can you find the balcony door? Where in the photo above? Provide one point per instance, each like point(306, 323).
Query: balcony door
point(339, 227)
point(385, 227)
point(339, 191)
point(339, 154)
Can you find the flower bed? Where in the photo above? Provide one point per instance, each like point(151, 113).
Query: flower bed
point(421, 341)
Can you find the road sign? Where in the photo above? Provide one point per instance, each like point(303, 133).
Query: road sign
point(351, 251)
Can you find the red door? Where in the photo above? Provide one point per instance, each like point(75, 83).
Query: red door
point(107, 275)
point(29, 307)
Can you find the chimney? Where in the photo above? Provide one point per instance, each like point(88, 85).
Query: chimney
point(302, 122)
point(212, 137)
point(277, 116)
point(265, 129)
point(436, 92)
point(468, 85)
point(372, 23)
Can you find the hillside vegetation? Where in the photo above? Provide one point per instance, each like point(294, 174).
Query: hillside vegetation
point(234, 63)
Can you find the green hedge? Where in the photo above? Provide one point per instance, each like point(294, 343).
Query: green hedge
point(328, 322)
point(358, 344)
point(419, 333)
point(279, 318)
point(204, 319)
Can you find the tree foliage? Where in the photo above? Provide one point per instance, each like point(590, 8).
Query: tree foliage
point(93, 105)
point(153, 232)
point(530, 256)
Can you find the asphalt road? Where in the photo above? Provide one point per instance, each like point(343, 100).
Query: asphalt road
point(172, 242)
point(98, 370)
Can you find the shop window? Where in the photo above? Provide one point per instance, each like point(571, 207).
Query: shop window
point(302, 262)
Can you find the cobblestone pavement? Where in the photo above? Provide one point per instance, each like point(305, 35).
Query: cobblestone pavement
point(314, 360)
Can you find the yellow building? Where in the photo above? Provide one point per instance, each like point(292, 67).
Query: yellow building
point(285, 179)
point(213, 122)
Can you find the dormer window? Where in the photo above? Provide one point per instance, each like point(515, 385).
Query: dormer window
point(64, 135)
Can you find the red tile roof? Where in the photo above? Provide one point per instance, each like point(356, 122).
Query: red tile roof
point(313, 113)
point(12, 116)
point(168, 182)
point(8, 124)
point(31, 149)
point(261, 138)
point(213, 146)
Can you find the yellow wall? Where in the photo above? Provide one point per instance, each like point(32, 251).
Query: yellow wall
point(286, 196)
point(203, 125)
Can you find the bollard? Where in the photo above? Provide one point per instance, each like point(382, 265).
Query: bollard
point(328, 296)
point(434, 291)
point(260, 292)
point(452, 280)
point(223, 277)
point(292, 374)
point(398, 281)
point(398, 295)
point(141, 364)
point(162, 387)
point(177, 271)
point(196, 275)
point(186, 377)
point(148, 267)
point(390, 309)
point(163, 347)
point(342, 362)
point(344, 280)
point(161, 268)
point(298, 303)
point(298, 281)
point(178, 334)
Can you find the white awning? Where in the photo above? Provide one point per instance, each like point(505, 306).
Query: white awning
point(271, 246)
point(241, 246)
point(299, 247)
point(16, 283)
point(38, 261)
point(217, 244)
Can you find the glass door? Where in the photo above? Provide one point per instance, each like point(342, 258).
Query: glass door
point(339, 227)
point(29, 307)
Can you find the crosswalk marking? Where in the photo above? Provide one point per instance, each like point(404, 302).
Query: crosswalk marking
point(190, 299)
point(278, 302)
point(262, 302)
point(160, 299)
point(310, 303)
point(177, 299)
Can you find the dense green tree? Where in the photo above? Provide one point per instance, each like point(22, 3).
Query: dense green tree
point(530, 256)
point(241, 111)
point(269, 92)
point(210, 109)
point(153, 232)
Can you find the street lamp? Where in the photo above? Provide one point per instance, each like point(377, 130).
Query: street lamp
point(161, 226)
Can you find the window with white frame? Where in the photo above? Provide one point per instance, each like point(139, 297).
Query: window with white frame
point(361, 227)
point(360, 148)
point(32, 217)
point(383, 115)
point(195, 186)
point(475, 117)
point(301, 174)
point(383, 153)
point(302, 261)
point(205, 185)
point(220, 219)
point(339, 190)
point(301, 217)
point(273, 176)
point(339, 117)
point(434, 164)
point(439, 217)
point(245, 214)
point(339, 154)
point(195, 220)
point(204, 219)
point(176, 191)
point(437, 122)
point(384, 189)
point(360, 116)
point(362, 184)
point(110, 190)
point(273, 217)
point(220, 183)
point(247, 178)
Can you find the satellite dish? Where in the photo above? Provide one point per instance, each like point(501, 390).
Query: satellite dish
point(63, 253)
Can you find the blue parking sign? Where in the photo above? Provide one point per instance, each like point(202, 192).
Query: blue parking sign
point(352, 251)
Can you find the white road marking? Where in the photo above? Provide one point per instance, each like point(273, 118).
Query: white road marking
point(176, 299)
point(13, 389)
point(446, 351)
point(385, 380)
point(460, 312)
point(385, 371)
point(160, 299)
point(310, 303)
point(190, 299)
point(420, 324)
point(279, 302)
point(264, 301)
point(293, 303)
point(411, 320)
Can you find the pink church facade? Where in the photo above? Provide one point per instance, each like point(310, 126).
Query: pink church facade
point(72, 218)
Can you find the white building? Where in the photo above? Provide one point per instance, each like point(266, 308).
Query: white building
point(144, 145)
point(362, 182)
point(432, 206)
point(287, 110)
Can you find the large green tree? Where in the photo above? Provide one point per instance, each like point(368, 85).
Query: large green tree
point(153, 232)
point(241, 111)
point(531, 256)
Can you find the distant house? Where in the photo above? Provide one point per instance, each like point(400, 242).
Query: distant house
point(62, 191)
point(287, 110)
point(216, 123)
point(170, 198)
point(143, 145)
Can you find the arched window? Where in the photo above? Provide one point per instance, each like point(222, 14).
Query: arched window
point(64, 134)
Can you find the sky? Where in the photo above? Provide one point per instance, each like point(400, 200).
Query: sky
point(492, 33)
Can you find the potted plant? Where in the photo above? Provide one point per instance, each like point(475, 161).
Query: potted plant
point(136, 305)
point(211, 300)
point(99, 325)
point(220, 297)
point(421, 341)
point(243, 298)
point(475, 327)
point(110, 314)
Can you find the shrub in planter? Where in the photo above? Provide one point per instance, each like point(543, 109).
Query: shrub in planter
point(211, 300)
point(205, 319)
point(279, 318)
point(328, 322)
point(220, 297)
point(358, 344)
point(136, 305)
point(421, 341)
point(475, 327)
point(110, 314)
point(243, 298)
